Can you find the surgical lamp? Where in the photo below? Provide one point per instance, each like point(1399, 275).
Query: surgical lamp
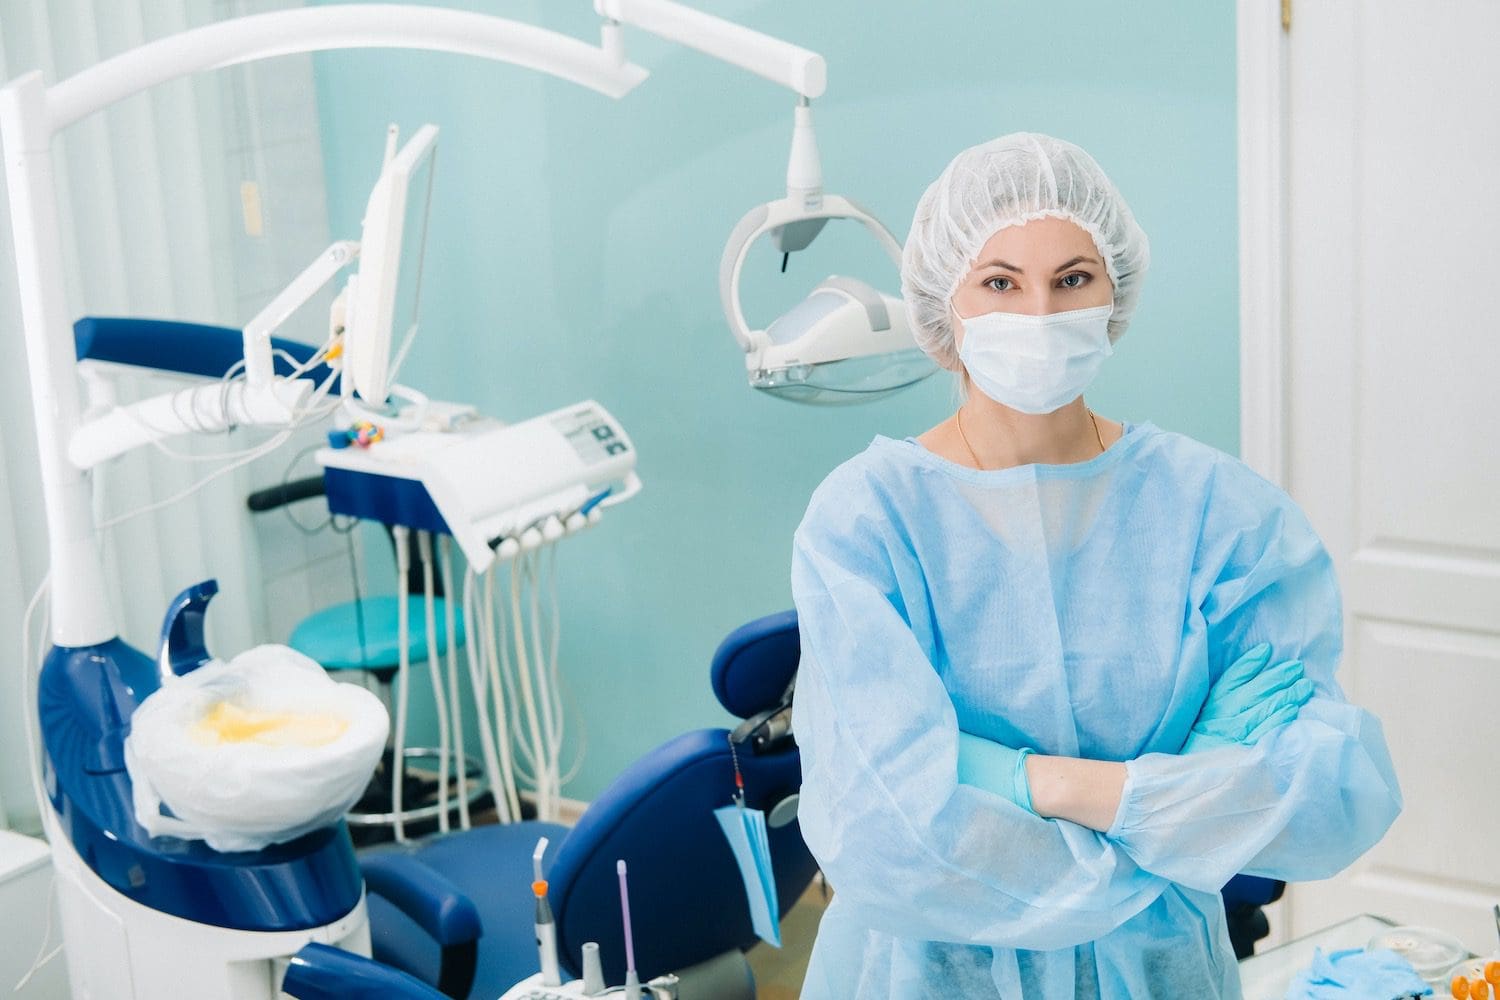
point(846, 342)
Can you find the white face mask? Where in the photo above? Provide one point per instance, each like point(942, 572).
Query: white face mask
point(1036, 364)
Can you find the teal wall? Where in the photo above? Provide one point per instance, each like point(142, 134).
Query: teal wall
point(575, 243)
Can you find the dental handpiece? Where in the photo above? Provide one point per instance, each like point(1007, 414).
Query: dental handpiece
point(546, 927)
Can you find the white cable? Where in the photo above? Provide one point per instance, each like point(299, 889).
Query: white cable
point(403, 686)
point(43, 956)
point(275, 441)
point(435, 671)
point(31, 687)
point(265, 448)
point(450, 626)
point(559, 682)
point(504, 736)
point(474, 653)
point(228, 382)
point(528, 696)
point(525, 762)
point(544, 695)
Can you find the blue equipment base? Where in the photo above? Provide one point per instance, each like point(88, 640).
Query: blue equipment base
point(87, 695)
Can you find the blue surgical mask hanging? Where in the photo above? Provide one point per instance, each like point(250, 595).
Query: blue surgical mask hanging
point(749, 839)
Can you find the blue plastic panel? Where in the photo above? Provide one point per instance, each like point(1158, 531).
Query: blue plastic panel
point(170, 346)
point(387, 499)
point(319, 972)
point(86, 698)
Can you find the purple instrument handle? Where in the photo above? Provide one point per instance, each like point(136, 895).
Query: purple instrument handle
point(625, 913)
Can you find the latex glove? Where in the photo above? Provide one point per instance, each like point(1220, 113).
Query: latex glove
point(1251, 698)
point(1357, 974)
point(995, 768)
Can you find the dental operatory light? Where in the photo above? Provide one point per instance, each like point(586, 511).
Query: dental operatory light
point(846, 342)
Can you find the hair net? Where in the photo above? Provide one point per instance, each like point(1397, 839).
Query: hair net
point(1008, 182)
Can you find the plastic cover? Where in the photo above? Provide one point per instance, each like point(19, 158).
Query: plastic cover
point(256, 751)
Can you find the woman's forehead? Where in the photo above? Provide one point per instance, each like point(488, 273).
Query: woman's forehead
point(1039, 241)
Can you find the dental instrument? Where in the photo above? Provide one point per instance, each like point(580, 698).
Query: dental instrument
point(547, 984)
point(593, 970)
point(632, 981)
point(546, 927)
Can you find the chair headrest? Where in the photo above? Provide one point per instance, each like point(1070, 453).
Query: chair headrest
point(754, 664)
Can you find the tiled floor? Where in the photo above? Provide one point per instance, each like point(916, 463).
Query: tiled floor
point(779, 972)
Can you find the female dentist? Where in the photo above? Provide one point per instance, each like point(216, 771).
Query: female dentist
point(1062, 677)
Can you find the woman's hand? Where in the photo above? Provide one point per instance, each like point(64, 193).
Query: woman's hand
point(995, 768)
point(1252, 697)
point(1086, 792)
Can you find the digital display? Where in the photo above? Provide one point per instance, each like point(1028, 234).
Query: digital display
point(593, 438)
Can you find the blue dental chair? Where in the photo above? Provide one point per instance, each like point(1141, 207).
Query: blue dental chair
point(688, 906)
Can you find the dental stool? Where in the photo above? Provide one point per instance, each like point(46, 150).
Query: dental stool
point(363, 635)
point(687, 901)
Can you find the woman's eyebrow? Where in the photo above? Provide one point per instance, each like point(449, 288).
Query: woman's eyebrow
point(1061, 267)
point(1000, 263)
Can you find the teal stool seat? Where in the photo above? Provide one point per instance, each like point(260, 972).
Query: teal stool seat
point(332, 636)
point(364, 635)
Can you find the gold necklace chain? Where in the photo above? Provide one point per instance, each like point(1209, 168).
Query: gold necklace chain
point(958, 420)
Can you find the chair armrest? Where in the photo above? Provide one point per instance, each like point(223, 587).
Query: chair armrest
point(437, 906)
point(321, 972)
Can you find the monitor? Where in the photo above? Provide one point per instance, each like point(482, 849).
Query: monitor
point(382, 317)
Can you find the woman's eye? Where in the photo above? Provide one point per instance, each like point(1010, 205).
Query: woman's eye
point(996, 284)
point(1075, 280)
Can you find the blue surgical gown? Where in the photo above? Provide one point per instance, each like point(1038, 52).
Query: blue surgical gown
point(1083, 610)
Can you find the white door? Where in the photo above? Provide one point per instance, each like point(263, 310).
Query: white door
point(1391, 371)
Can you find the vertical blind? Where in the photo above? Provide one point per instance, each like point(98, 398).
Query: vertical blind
point(152, 202)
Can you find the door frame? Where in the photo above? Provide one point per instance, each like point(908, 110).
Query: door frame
point(1261, 44)
point(1261, 110)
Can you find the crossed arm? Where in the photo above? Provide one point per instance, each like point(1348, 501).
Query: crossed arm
point(1253, 697)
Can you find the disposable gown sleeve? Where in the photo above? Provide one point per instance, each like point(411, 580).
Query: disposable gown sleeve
point(909, 850)
point(1311, 796)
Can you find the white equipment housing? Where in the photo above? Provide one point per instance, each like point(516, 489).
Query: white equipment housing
point(488, 482)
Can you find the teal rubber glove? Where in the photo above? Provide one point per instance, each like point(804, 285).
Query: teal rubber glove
point(1251, 698)
point(995, 768)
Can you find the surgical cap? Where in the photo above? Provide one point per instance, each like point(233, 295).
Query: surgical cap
point(1008, 182)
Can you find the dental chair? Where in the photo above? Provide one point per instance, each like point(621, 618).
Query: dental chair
point(688, 905)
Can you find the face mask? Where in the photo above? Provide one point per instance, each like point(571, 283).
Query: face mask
point(1036, 364)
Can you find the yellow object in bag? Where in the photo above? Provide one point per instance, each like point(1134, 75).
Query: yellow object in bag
point(227, 722)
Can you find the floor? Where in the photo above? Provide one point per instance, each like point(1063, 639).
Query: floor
point(779, 971)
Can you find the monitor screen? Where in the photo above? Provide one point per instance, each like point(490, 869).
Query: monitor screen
point(383, 322)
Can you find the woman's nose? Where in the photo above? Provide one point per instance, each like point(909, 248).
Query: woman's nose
point(1038, 302)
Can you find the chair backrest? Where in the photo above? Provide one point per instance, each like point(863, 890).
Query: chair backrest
point(756, 663)
point(687, 899)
